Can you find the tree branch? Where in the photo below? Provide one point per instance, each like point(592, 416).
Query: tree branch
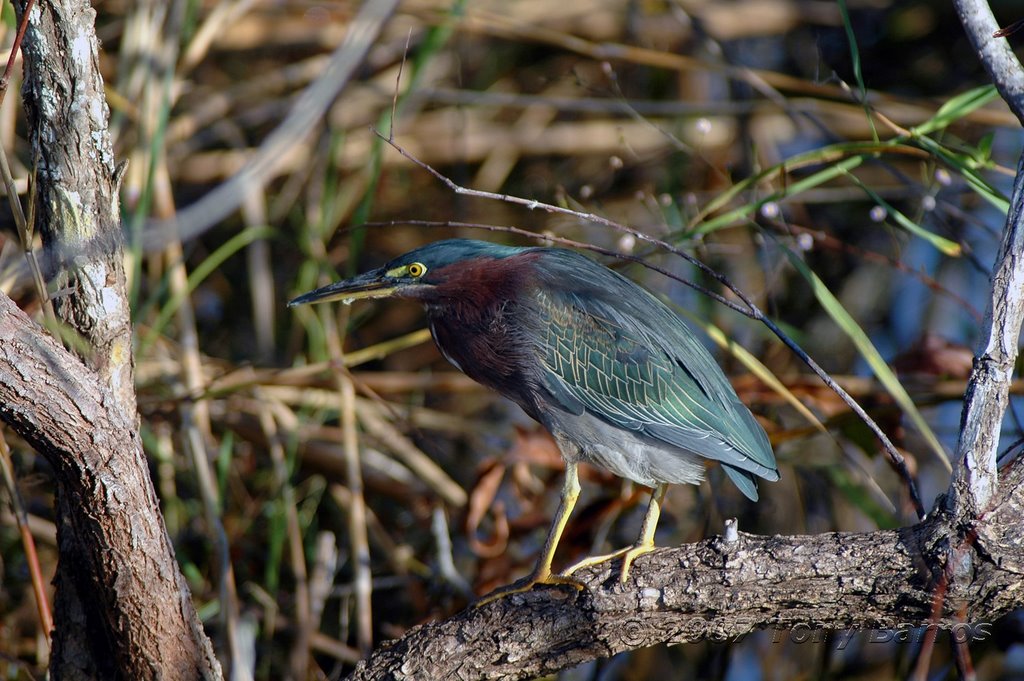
point(723, 590)
point(975, 478)
point(996, 54)
point(63, 410)
point(985, 401)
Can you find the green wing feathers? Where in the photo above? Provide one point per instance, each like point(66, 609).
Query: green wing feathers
point(643, 370)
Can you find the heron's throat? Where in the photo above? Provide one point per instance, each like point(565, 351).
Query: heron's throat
point(481, 341)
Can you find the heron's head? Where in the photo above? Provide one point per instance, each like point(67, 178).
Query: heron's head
point(421, 274)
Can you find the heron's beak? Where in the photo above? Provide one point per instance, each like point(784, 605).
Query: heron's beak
point(373, 284)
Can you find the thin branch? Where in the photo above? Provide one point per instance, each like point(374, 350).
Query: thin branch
point(27, 541)
point(1007, 31)
point(24, 225)
point(15, 49)
point(995, 52)
point(987, 393)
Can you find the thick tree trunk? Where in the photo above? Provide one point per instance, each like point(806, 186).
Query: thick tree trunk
point(122, 607)
point(136, 605)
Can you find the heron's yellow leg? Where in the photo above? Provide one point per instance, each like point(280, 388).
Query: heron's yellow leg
point(542, 571)
point(644, 543)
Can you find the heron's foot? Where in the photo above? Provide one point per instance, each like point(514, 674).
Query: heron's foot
point(628, 555)
point(594, 560)
point(527, 583)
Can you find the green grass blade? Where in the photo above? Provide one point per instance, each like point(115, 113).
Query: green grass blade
point(883, 372)
point(858, 74)
point(198, 275)
point(967, 168)
point(814, 180)
point(950, 248)
point(956, 108)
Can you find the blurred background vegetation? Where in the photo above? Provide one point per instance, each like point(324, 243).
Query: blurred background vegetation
point(855, 191)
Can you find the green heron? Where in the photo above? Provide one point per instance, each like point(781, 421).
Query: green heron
point(614, 375)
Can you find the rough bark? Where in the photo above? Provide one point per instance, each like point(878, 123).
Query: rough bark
point(996, 54)
point(988, 390)
point(129, 575)
point(722, 590)
point(122, 608)
point(76, 205)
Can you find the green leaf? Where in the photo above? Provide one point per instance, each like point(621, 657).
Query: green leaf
point(967, 167)
point(811, 181)
point(943, 244)
point(984, 151)
point(8, 17)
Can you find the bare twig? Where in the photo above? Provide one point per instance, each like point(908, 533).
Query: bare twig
point(823, 239)
point(15, 48)
point(1007, 31)
point(398, 87)
point(23, 225)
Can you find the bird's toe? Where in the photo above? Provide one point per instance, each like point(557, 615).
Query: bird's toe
point(527, 584)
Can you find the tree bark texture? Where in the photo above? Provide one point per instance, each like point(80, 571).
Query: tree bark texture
point(996, 54)
point(722, 590)
point(122, 608)
point(76, 204)
point(66, 412)
point(988, 391)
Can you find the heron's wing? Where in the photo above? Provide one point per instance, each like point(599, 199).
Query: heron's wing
point(632, 362)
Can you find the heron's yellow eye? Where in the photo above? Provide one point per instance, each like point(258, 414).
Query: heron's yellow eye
point(417, 269)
